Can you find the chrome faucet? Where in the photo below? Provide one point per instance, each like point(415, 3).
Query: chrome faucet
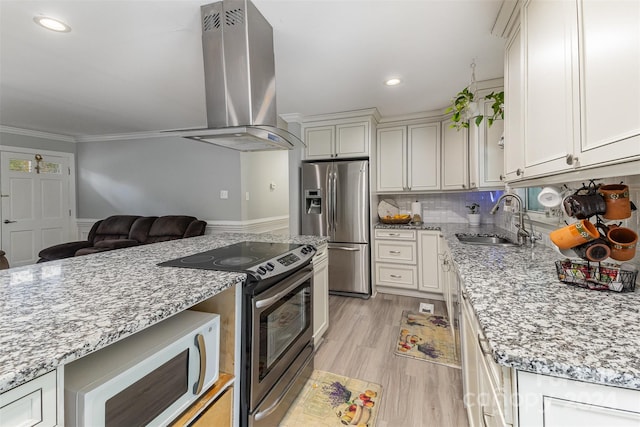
point(522, 233)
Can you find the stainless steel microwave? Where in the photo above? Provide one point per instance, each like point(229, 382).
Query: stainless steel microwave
point(149, 378)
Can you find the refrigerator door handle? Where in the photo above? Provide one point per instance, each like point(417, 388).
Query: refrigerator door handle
point(344, 248)
point(335, 199)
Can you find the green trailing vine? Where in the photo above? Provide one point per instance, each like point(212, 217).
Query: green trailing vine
point(460, 109)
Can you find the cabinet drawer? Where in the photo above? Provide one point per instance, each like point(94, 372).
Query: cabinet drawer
point(30, 404)
point(395, 234)
point(401, 252)
point(397, 276)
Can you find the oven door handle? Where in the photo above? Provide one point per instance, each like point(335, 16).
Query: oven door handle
point(306, 274)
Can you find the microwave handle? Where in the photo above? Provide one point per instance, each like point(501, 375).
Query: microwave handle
point(202, 349)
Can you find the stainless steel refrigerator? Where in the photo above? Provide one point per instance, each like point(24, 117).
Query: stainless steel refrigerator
point(335, 203)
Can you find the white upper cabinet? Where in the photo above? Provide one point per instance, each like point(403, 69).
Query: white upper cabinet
point(392, 165)
point(408, 158)
point(513, 105)
point(455, 160)
point(339, 140)
point(572, 87)
point(423, 153)
point(609, 40)
point(551, 108)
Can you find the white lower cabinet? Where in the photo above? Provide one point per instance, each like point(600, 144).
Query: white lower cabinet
point(31, 404)
point(429, 271)
point(558, 402)
point(487, 386)
point(320, 293)
point(407, 260)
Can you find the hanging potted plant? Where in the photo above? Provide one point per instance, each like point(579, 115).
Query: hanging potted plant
point(473, 216)
point(465, 108)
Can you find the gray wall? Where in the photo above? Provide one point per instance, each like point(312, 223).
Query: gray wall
point(36, 143)
point(159, 176)
point(259, 171)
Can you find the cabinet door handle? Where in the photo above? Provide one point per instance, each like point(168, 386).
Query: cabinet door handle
point(393, 234)
point(571, 159)
point(8, 221)
point(485, 350)
point(395, 276)
point(395, 252)
point(519, 172)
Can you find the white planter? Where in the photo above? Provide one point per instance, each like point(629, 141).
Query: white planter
point(474, 219)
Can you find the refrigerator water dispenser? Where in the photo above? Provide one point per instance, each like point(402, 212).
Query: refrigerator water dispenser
point(313, 201)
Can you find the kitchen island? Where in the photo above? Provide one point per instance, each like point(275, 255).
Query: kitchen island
point(531, 323)
point(56, 312)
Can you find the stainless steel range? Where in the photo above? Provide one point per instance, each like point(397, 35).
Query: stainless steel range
point(277, 329)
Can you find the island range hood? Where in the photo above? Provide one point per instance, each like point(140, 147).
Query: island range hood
point(240, 84)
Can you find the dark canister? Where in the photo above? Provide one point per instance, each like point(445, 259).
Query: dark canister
point(584, 206)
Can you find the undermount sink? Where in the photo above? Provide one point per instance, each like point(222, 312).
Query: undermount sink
point(485, 239)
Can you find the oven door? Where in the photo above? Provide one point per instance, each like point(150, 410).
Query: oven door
point(282, 328)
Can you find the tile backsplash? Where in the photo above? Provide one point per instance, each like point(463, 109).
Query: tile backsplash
point(451, 208)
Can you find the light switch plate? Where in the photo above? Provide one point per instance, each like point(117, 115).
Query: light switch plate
point(426, 308)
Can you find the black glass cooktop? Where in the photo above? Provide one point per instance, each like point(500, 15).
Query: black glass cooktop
point(238, 257)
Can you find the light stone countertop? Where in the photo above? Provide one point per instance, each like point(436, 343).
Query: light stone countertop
point(536, 323)
point(56, 312)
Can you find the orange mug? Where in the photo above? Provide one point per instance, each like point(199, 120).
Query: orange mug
point(616, 199)
point(574, 234)
point(623, 243)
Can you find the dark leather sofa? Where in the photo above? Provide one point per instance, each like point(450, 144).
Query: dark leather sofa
point(123, 231)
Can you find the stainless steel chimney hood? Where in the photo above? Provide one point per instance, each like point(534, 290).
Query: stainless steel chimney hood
point(240, 84)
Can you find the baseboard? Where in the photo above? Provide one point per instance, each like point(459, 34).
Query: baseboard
point(274, 225)
point(409, 293)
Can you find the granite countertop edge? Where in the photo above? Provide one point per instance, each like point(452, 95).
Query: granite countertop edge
point(535, 323)
point(56, 312)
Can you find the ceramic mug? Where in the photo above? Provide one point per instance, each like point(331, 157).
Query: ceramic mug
point(623, 243)
point(574, 234)
point(616, 198)
point(595, 250)
point(584, 206)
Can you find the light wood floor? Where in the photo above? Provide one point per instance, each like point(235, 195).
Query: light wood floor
point(360, 342)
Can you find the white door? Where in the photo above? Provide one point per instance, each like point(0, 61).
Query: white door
point(35, 204)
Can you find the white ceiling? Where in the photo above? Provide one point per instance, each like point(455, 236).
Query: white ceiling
point(136, 65)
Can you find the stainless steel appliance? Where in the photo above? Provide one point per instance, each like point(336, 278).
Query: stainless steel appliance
point(277, 326)
point(239, 77)
point(335, 203)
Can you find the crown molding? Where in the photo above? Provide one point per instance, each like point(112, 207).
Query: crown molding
point(36, 134)
point(368, 112)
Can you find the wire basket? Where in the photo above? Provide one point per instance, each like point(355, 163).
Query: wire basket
point(598, 276)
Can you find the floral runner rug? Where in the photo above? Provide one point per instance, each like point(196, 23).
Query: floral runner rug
point(330, 400)
point(427, 337)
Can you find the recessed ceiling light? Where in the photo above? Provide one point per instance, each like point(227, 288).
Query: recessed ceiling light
point(392, 82)
point(52, 24)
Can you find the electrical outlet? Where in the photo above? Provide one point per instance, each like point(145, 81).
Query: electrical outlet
point(426, 308)
point(224, 194)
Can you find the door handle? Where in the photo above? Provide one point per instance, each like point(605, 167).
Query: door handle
point(344, 248)
point(6, 221)
point(202, 348)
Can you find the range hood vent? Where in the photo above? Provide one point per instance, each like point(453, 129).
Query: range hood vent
point(240, 83)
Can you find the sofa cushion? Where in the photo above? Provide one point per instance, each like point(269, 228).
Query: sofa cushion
point(63, 250)
point(115, 227)
point(169, 227)
point(116, 244)
point(140, 228)
point(91, 250)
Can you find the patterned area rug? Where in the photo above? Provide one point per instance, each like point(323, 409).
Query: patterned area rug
point(330, 400)
point(427, 337)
